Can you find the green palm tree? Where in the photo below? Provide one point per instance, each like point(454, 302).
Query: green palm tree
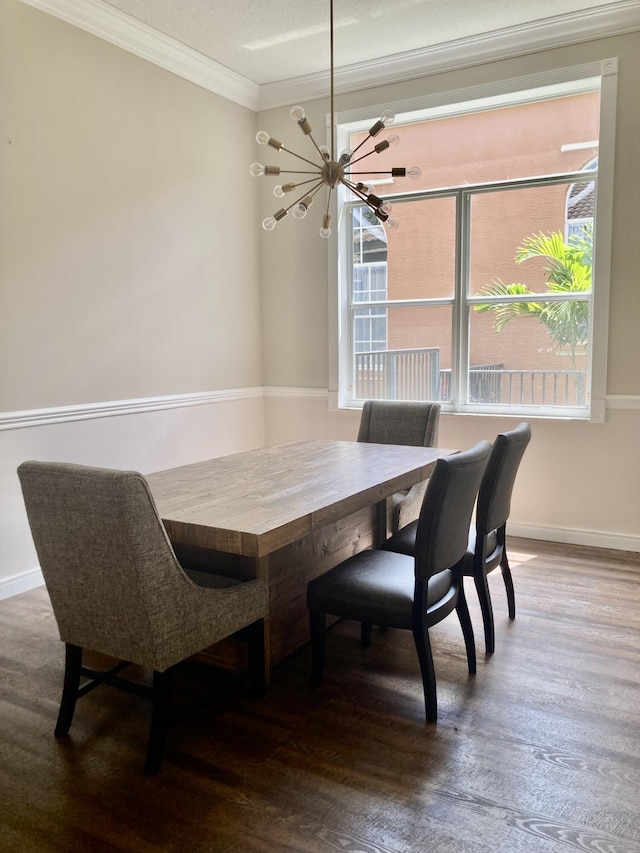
point(569, 270)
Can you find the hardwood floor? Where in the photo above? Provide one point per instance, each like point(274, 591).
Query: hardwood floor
point(540, 751)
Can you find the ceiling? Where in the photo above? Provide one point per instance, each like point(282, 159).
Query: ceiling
point(274, 40)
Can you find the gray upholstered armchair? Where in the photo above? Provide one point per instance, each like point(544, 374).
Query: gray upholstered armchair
point(116, 587)
point(399, 422)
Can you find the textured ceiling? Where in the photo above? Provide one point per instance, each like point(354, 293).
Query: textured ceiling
point(273, 40)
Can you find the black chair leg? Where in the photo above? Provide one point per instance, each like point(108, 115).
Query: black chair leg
point(73, 662)
point(508, 584)
point(318, 628)
point(159, 720)
point(467, 629)
point(257, 682)
point(482, 587)
point(365, 634)
point(423, 647)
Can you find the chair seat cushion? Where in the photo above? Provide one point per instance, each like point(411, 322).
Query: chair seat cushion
point(210, 580)
point(373, 586)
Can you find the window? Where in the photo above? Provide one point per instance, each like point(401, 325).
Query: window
point(486, 298)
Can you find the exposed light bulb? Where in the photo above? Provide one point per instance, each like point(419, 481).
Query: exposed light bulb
point(278, 191)
point(393, 140)
point(415, 173)
point(388, 117)
point(391, 224)
point(345, 157)
point(256, 169)
point(262, 137)
point(300, 211)
point(269, 223)
point(325, 231)
point(386, 207)
point(324, 151)
point(297, 113)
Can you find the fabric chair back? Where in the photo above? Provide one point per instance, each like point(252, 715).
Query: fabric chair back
point(494, 497)
point(399, 422)
point(443, 525)
point(111, 573)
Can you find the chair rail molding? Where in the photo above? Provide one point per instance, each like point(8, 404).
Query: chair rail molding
point(626, 402)
point(66, 414)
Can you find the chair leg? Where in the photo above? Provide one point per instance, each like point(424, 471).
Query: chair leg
point(508, 584)
point(467, 629)
point(482, 587)
point(318, 628)
point(365, 634)
point(423, 647)
point(257, 682)
point(73, 662)
point(159, 720)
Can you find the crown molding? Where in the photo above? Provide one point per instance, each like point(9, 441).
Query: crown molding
point(601, 22)
point(114, 26)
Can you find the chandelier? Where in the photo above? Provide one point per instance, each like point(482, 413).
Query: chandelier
point(329, 171)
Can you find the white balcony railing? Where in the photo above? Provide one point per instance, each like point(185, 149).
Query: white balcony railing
point(415, 374)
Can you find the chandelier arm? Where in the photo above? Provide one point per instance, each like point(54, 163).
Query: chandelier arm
point(315, 144)
point(329, 199)
point(367, 172)
point(301, 172)
point(368, 154)
point(303, 183)
point(354, 189)
point(299, 156)
point(358, 147)
point(304, 195)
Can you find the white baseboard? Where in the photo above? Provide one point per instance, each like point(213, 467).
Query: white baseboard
point(593, 539)
point(20, 583)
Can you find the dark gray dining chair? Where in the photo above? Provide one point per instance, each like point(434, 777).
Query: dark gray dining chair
point(487, 548)
point(414, 593)
point(116, 588)
point(401, 422)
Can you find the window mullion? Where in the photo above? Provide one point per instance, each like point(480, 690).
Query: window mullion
point(460, 354)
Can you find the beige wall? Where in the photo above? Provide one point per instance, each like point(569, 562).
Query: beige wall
point(580, 481)
point(126, 267)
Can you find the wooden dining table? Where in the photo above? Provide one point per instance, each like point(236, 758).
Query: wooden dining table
point(286, 514)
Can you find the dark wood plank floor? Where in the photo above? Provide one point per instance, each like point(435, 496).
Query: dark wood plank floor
point(539, 752)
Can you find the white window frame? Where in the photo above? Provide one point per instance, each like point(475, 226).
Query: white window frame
point(464, 101)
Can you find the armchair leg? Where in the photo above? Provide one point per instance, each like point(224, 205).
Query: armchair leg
point(73, 662)
point(508, 583)
point(467, 629)
point(318, 628)
point(257, 682)
point(162, 682)
point(482, 587)
point(423, 648)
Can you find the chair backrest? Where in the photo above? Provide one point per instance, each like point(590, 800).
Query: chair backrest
point(399, 422)
point(443, 525)
point(108, 565)
point(494, 496)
